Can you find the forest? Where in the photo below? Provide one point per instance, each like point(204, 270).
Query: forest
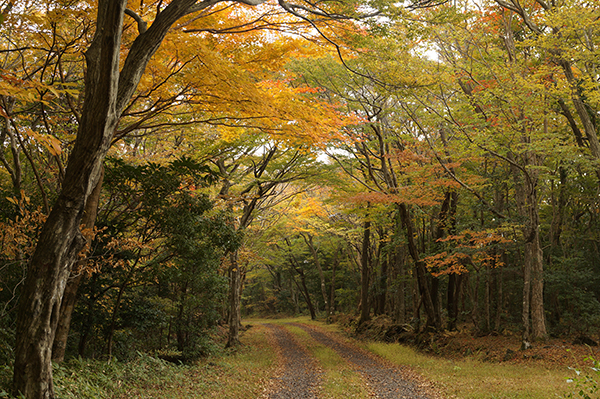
point(169, 168)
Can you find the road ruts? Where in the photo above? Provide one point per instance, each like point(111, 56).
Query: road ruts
point(385, 381)
point(299, 378)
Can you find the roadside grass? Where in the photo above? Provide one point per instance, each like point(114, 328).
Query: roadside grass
point(471, 378)
point(340, 381)
point(238, 374)
point(468, 378)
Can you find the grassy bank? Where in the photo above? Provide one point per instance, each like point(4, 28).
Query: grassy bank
point(470, 378)
point(238, 374)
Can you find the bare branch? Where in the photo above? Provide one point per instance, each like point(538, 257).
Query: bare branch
point(142, 25)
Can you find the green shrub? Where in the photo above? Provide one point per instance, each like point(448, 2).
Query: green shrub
point(587, 384)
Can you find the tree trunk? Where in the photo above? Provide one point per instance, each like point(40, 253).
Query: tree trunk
point(309, 242)
point(488, 296)
point(499, 297)
point(60, 240)
point(400, 306)
point(534, 325)
point(113, 319)
point(70, 295)
point(311, 308)
point(538, 320)
point(365, 273)
point(235, 279)
point(336, 261)
point(107, 92)
point(382, 285)
point(453, 298)
point(433, 318)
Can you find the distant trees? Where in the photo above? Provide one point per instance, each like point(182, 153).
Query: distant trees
point(468, 164)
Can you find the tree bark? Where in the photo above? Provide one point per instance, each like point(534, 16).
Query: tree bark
point(433, 318)
point(60, 239)
point(309, 242)
point(70, 295)
point(533, 318)
point(336, 261)
point(400, 305)
point(365, 273)
point(235, 279)
point(306, 294)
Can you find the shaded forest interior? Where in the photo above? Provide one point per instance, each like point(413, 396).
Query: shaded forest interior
point(436, 165)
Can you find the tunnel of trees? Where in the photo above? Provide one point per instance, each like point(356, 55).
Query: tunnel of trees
point(192, 163)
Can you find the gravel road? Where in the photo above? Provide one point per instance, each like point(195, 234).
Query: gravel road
point(299, 377)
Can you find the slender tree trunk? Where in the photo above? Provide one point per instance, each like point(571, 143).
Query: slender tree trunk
point(400, 309)
point(336, 261)
point(433, 318)
point(179, 325)
point(113, 319)
point(499, 297)
point(382, 285)
point(488, 297)
point(365, 273)
point(233, 339)
point(311, 308)
point(309, 242)
point(475, 301)
point(453, 299)
point(558, 207)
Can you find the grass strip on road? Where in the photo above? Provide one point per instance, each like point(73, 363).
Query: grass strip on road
point(340, 381)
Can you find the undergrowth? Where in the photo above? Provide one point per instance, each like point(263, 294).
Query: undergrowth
point(231, 374)
point(586, 382)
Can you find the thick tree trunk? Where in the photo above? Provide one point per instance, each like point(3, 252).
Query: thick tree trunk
point(538, 319)
point(534, 325)
point(70, 295)
point(107, 92)
point(60, 240)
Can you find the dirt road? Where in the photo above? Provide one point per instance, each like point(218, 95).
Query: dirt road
point(299, 374)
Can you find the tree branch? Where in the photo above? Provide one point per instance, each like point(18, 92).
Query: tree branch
point(142, 25)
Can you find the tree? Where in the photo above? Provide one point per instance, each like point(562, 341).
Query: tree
point(108, 89)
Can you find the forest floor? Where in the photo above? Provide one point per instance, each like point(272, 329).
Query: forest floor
point(449, 365)
point(304, 359)
point(569, 351)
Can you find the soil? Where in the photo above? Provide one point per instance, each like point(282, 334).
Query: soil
point(299, 376)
